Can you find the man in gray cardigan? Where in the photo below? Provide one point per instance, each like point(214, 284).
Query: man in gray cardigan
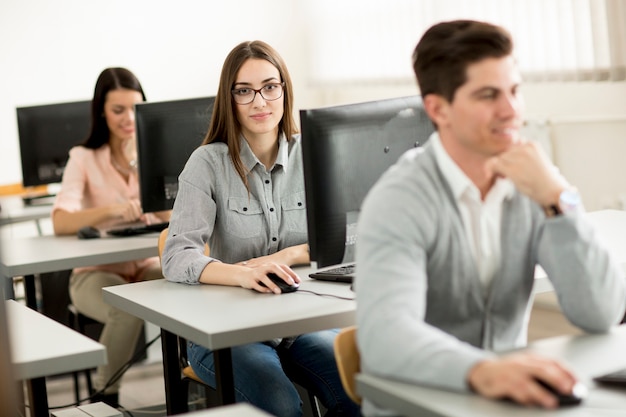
point(450, 236)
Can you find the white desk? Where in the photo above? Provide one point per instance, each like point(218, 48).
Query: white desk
point(42, 347)
point(611, 229)
point(14, 211)
point(35, 255)
point(233, 410)
point(220, 317)
point(588, 356)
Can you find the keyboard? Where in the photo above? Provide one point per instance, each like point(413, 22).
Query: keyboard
point(137, 230)
point(38, 199)
point(343, 273)
point(614, 378)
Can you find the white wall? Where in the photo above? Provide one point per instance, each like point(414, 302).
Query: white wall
point(52, 51)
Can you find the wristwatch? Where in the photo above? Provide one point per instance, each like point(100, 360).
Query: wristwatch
point(569, 201)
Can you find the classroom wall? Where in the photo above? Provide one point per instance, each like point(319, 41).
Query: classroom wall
point(53, 51)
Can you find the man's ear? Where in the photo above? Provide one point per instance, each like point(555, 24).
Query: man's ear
point(436, 107)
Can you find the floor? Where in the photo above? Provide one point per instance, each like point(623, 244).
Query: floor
point(143, 394)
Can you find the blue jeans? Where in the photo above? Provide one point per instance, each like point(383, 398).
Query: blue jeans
point(263, 373)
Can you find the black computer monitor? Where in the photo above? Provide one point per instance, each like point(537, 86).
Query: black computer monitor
point(167, 133)
point(345, 150)
point(46, 135)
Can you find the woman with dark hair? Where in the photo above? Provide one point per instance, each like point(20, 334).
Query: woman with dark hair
point(242, 193)
point(100, 188)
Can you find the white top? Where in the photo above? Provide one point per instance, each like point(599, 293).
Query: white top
point(234, 410)
point(481, 219)
point(41, 346)
point(587, 355)
point(218, 316)
point(40, 254)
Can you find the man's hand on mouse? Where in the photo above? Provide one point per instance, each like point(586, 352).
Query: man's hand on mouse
point(515, 377)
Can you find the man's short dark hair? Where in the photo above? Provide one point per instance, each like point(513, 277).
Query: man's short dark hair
point(444, 52)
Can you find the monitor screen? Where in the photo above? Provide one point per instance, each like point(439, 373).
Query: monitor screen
point(167, 133)
point(345, 150)
point(46, 135)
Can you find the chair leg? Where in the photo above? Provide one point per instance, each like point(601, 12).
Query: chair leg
point(78, 323)
point(76, 386)
point(88, 379)
point(315, 407)
point(72, 320)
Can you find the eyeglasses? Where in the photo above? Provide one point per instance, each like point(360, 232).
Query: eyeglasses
point(269, 92)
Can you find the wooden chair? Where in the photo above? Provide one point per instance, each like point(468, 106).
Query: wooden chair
point(348, 361)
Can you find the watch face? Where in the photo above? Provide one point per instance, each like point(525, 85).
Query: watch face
point(569, 200)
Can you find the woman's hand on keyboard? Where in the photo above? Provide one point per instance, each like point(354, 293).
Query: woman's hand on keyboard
point(128, 211)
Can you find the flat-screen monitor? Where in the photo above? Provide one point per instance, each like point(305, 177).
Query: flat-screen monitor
point(167, 133)
point(345, 150)
point(46, 135)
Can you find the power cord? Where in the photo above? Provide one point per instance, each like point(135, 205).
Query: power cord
point(114, 378)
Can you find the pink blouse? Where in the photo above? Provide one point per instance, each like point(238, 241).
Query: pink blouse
point(90, 180)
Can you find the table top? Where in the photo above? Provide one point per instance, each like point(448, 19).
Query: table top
point(14, 211)
point(41, 346)
point(219, 316)
point(610, 226)
point(234, 410)
point(40, 254)
point(587, 355)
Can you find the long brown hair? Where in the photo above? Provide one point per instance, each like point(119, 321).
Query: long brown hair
point(224, 125)
point(108, 80)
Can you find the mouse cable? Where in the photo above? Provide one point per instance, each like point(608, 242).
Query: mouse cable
point(327, 295)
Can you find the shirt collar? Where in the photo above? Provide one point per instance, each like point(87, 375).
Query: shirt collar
point(456, 178)
point(250, 160)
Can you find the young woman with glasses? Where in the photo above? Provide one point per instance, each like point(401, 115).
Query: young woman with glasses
point(242, 192)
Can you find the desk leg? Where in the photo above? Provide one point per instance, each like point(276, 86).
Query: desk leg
point(21, 408)
point(224, 375)
point(30, 292)
point(175, 390)
point(7, 288)
point(38, 397)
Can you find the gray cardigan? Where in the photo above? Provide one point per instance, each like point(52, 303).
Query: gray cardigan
point(422, 313)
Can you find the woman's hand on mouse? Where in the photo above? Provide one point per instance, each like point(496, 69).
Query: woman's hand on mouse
point(255, 277)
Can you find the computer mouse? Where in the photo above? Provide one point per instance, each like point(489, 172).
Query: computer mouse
point(284, 287)
point(579, 392)
point(88, 232)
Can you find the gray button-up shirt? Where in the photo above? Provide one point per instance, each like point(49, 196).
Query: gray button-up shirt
point(214, 206)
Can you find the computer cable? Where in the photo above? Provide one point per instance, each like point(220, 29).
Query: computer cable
point(326, 295)
point(114, 378)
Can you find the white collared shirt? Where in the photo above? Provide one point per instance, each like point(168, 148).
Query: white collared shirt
point(481, 219)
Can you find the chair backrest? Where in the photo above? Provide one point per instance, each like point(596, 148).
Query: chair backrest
point(348, 361)
point(162, 239)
